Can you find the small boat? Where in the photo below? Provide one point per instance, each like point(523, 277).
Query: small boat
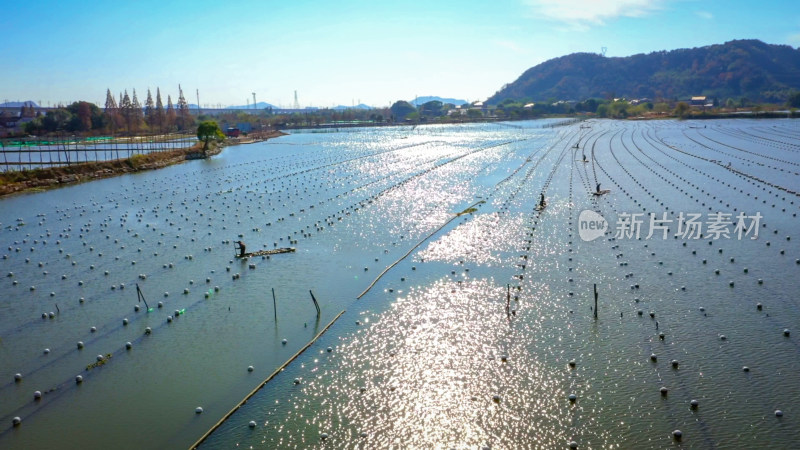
point(541, 206)
point(268, 252)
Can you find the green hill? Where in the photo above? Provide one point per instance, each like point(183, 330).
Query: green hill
point(743, 68)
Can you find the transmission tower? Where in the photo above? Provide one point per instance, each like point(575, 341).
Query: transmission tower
point(603, 50)
point(296, 104)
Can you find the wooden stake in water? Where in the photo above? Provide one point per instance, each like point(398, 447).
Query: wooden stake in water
point(140, 296)
point(508, 299)
point(595, 301)
point(274, 306)
point(316, 305)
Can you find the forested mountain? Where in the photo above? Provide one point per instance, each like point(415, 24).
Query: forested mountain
point(737, 69)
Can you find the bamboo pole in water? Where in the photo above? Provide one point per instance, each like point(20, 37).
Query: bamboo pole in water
point(263, 383)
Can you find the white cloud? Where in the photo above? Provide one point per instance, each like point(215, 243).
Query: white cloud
point(704, 14)
point(582, 13)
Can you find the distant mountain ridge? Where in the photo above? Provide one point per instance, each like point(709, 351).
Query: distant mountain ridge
point(429, 98)
point(358, 106)
point(18, 104)
point(735, 69)
point(259, 105)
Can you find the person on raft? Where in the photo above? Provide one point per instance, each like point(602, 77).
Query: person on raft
point(241, 248)
point(541, 200)
point(598, 188)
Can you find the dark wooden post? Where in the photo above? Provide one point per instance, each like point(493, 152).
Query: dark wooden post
point(274, 306)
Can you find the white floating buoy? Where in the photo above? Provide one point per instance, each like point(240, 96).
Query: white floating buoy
point(100, 357)
point(148, 330)
point(252, 424)
point(198, 410)
point(79, 379)
point(573, 445)
point(283, 341)
point(297, 381)
point(329, 349)
point(677, 434)
point(128, 345)
point(778, 413)
point(250, 368)
point(786, 332)
point(664, 391)
point(37, 395)
point(16, 421)
point(46, 351)
point(323, 436)
point(17, 377)
point(80, 344)
point(125, 321)
point(496, 398)
point(694, 404)
point(573, 398)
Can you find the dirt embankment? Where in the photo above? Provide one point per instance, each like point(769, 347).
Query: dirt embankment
point(41, 179)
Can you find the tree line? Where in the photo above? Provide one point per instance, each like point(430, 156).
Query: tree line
point(124, 117)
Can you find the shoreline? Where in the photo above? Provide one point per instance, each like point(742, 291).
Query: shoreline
point(37, 180)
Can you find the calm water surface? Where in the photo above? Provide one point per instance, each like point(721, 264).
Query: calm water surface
point(480, 324)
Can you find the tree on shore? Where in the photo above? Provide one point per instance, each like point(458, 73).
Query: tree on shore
point(149, 110)
point(794, 100)
point(126, 109)
point(184, 120)
point(209, 130)
point(136, 113)
point(111, 111)
point(682, 109)
point(401, 109)
point(159, 112)
point(170, 117)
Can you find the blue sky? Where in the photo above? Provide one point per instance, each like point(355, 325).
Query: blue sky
point(342, 52)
